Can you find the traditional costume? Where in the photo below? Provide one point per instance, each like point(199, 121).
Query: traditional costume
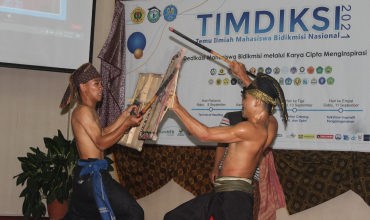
point(96, 195)
point(233, 196)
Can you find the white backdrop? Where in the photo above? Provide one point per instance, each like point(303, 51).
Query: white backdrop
point(317, 51)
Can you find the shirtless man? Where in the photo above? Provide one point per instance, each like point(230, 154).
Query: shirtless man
point(233, 195)
point(89, 199)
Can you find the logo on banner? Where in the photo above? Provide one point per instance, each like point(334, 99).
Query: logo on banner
point(253, 70)
point(221, 72)
point(137, 15)
point(154, 14)
point(313, 81)
point(310, 70)
point(285, 70)
point(276, 70)
point(297, 81)
point(302, 69)
point(345, 137)
point(359, 137)
point(319, 70)
point(234, 81)
point(366, 137)
point(170, 13)
point(229, 71)
point(324, 136)
point(218, 81)
point(210, 81)
point(281, 81)
point(268, 70)
point(288, 81)
point(291, 135)
point(306, 136)
point(322, 81)
point(305, 81)
point(328, 69)
point(354, 138)
point(330, 81)
point(260, 70)
point(136, 44)
point(226, 81)
point(181, 133)
point(338, 137)
point(213, 71)
point(240, 82)
point(293, 70)
point(168, 132)
point(279, 135)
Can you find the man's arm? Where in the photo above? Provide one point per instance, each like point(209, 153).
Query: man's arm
point(220, 152)
point(125, 114)
point(229, 134)
point(240, 71)
point(85, 119)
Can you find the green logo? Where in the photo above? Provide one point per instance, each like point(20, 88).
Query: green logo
point(319, 70)
point(330, 81)
point(328, 69)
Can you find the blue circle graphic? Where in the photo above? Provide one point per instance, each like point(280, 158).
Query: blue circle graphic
point(136, 41)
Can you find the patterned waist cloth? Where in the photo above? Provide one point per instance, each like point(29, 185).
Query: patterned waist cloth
point(230, 183)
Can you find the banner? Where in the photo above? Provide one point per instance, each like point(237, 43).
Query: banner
point(317, 51)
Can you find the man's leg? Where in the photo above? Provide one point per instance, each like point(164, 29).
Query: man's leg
point(122, 202)
point(194, 209)
point(235, 205)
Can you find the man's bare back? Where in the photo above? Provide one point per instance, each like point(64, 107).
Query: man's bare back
point(243, 157)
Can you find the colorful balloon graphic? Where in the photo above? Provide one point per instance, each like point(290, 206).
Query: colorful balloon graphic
point(136, 44)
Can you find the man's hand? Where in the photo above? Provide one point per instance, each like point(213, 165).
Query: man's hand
point(128, 110)
point(134, 120)
point(173, 101)
point(214, 174)
point(240, 71)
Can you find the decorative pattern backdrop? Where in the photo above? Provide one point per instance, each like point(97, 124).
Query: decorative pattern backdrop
point(308, 178)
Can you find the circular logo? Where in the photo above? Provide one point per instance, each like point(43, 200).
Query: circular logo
point(285, 70)
point(260, 70)
point(137, 15)
point(210, 81)
point(338, 137)
point(288, 81)
point(302, 69)
point(310, 70)
point(170, 13)
point(322, 81)
point(319, 70)
point(281, 81)
point(268, 70)
point(252, 70)
point(313, 81)
point(330, 81)
point(226, 81)
point(240, 82)
point(154, 14)
point(229, 71)
point(297, 81)
point(305, 81)
point(234, 81)
point(218, 81)
point(276, 70)
point(293, 70)
point(328, 69)
point(222, 71)
point(213, 71)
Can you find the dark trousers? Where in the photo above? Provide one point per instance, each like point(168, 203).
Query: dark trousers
point(83, 205)
point(221, 206)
